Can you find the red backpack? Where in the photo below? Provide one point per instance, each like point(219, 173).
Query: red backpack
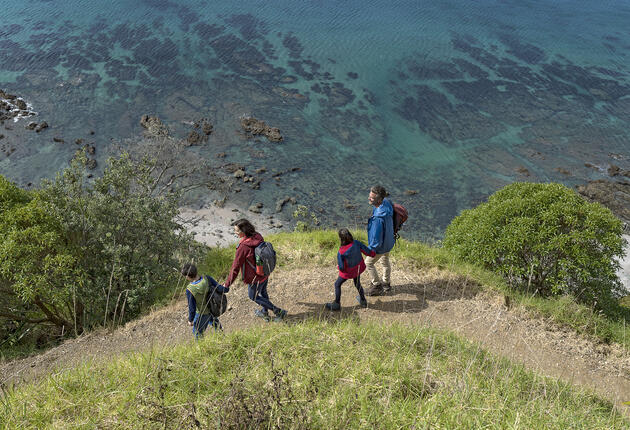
point(400, 216)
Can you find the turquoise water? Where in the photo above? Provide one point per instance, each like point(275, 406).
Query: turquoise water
point(449, 99)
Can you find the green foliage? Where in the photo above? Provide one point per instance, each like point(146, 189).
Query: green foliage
point(306, 220)
point(543, 238)
point(79, 252)
point(312, 375)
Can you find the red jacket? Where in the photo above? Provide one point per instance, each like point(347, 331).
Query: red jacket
point(350, 253)
point(244, 256)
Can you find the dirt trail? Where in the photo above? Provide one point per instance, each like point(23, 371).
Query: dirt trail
point(435, 298)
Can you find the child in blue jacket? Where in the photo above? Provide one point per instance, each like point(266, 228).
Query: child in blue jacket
point(199, 315)
point(351, 265)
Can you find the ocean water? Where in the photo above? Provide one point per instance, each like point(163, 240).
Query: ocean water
point(442, 102)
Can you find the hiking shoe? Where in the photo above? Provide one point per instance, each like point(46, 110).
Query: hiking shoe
point(333, 306)
point(262, 314)
point(362, 303)
point(376, 290)
point(387, 287)
point(280, 314)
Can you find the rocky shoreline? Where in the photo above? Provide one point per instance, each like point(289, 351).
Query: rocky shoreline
point(212, 225)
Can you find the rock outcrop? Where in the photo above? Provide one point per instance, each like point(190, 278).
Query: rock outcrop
point(257, 127)
point(614, 195)
point(153, 126)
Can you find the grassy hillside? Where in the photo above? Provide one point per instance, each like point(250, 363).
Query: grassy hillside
point(310, 375)
point(320, 248)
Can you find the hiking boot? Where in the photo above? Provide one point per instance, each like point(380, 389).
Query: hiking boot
point(333, 306)
point(362, 303)
point(376, 290)
point(280, 314)
point(387, 287)
point(262, 314)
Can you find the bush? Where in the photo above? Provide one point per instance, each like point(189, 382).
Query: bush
point(546, 239)
point(82, 252)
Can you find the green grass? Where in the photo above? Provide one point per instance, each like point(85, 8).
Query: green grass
point(310, 375)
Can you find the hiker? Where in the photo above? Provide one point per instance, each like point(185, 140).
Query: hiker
point(351, 265)
point(199, 315)
point(245, 262)
point(381, 239)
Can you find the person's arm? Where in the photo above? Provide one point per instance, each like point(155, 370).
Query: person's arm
point(239, 259)
point(365, 250)
point(215, 285)
point(376, 233)
point(192, 306)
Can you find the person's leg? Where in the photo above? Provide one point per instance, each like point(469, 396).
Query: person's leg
point(200, 323)
point(336, 305)
point(216, 324)
point(387, 271)
point(255, 291)
point(261, 297)
point(375, 279)
point(338, 283)
point(357, 284)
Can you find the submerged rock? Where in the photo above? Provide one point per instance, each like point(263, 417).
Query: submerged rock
point(154, 127)
point(257, 127)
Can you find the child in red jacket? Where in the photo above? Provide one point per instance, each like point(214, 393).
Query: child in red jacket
point(351, 265)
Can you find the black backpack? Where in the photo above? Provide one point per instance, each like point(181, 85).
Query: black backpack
point(216, 302)
point(265, 257)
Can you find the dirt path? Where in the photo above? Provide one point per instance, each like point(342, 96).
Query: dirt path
point(433, 298)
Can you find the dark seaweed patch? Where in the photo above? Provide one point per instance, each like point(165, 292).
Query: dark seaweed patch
point(470, 69)
point(250, 27)
point(292, 43)
point(186, 18)
point(432, 70)
point(10, 30)
point(523, 51)
point(208, 31)
point(118, 70)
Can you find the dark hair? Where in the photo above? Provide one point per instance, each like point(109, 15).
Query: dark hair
point(189, 270)
point(345, 236)
point(379, 191)
point(245, 226)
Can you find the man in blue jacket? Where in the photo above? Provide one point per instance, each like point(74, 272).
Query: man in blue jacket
point(380, 231)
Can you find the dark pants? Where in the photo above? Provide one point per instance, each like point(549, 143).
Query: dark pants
point(339, 282)
point(258, 293)
point(201, 322)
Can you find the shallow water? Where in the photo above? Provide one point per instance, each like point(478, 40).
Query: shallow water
point(448, 99)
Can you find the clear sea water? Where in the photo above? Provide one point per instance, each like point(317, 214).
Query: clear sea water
point(442, 102)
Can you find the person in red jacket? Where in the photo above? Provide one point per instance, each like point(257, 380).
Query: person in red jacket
point(351, 265)
point(245, 262)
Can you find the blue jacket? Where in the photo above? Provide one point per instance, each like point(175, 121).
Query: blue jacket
point(192, 302)
point(380, 228)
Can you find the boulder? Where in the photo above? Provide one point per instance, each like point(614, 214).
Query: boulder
point(256, 208)
point(207, 128)
point(281, 202)
point(614, 195)
point(42, 125)
point(257, 127)
point(153, 126)
point(193, 138)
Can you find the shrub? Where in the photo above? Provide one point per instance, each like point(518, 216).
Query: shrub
point(80, 252)
point(543, 238)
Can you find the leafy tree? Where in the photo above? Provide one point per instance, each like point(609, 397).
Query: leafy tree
point(543, 238)
point(38, 272)
point(81, 252)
